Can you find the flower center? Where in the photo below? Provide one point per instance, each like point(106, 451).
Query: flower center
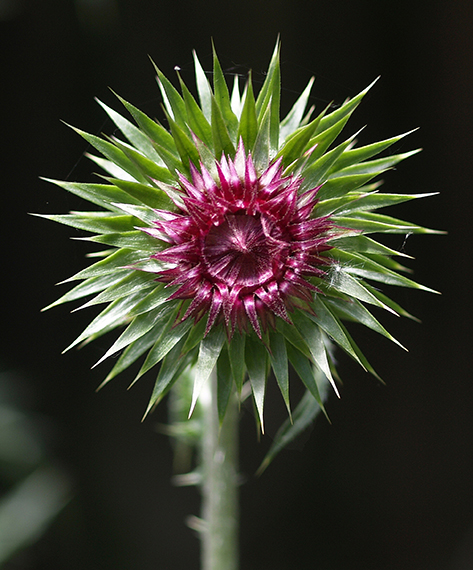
point(237, 252)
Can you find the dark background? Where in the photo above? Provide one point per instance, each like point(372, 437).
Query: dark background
point(386, 486)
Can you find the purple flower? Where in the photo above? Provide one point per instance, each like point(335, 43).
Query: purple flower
point(242, 246)
point(238, 240)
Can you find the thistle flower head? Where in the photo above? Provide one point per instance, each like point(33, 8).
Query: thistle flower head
point(237, 240)
point(243, 245)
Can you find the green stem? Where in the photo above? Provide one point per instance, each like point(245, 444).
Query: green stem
point(220, 512)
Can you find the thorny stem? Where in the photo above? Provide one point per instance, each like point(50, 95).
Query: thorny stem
point(220, 512)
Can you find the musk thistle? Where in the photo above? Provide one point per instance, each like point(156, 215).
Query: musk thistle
point(236, 240)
